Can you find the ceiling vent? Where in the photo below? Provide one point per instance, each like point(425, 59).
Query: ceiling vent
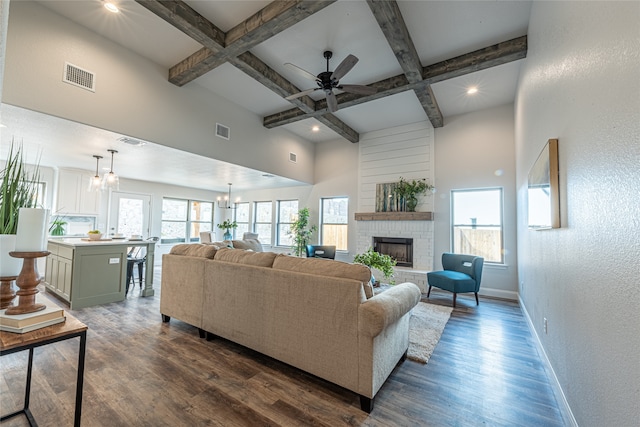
point(132, 141)
point(293, 157)
point(78, 77)
point(223, 131)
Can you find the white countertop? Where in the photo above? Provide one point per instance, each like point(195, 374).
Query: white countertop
point(78, 241)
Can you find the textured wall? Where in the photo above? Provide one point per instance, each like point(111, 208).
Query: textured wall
point(581, 84)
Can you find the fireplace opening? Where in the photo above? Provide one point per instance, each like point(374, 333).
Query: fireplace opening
point(398, 248)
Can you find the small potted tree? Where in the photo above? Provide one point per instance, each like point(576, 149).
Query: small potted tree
point(227, 225)
point(301, 232)
point(383, 263)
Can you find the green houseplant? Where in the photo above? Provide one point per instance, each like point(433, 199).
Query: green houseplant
point(301, 232)
point(381, 262)
point(57, 227)
point(18, 189)
point(409, 191)
point(227, 225)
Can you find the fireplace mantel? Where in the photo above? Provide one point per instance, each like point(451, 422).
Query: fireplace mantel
point(394, 216)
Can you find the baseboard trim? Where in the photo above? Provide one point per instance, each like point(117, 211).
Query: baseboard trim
point(498, 293)
point(563, 405)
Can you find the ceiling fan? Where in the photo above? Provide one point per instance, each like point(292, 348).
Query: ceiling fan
point(327, 81)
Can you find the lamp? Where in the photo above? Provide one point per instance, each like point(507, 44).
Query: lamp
point(95, 183)
point(110, 180)
point(226, 202)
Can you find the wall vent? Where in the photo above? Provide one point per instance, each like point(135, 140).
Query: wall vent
point(293, 157)
point(223, 131)
point(78, 77)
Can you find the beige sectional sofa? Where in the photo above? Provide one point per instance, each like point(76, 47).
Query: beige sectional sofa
point(318, 315)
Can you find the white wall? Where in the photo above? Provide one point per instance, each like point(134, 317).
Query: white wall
point(133, 96)
point(476, 150)
point(580, 84)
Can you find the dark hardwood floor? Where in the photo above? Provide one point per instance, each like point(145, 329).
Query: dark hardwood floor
point(142, 372)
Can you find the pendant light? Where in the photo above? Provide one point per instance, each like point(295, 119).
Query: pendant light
point(95, 183)
point(226, 202)
point(110, 180)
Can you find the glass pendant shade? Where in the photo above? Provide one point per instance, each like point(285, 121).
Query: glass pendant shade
point(110, 180)
point(95, 183)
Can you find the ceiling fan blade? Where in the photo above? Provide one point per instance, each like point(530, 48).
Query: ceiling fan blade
point(359, 89)
point(299, 94)
point(332, 102)
point(345, 66)
point(302, 72)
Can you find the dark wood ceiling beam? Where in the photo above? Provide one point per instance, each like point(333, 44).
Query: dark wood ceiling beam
point(392, 24)
point(492, 56)
point(277, 16)
point(501, 53)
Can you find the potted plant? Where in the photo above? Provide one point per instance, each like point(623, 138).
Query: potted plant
point(57, 227)
point(301, 232)
point(409, 191)
point(18, 189)
point(227, 225)
point(383, 263)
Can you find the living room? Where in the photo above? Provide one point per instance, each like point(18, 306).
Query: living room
point(551, 273)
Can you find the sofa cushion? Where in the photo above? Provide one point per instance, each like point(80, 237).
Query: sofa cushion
point(259, 259)
point(327, 268)
point(249, 244)
point(194, 249)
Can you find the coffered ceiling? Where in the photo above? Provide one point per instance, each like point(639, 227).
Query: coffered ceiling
point(421, 56)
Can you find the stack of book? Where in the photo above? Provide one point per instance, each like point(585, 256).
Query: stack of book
point(21, 323)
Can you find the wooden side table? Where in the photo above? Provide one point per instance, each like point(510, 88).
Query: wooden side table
point(13, 343)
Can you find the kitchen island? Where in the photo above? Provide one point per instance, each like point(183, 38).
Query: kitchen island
point(87, 273)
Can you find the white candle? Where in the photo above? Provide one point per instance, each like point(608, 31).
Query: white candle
point(32, 230)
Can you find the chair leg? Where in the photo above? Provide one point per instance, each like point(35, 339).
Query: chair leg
point(129, 277)
point(429, 291)
point(477, 302)
point(140, 267)
point(454, 299)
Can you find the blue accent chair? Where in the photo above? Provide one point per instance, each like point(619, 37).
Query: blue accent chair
point(462, 273)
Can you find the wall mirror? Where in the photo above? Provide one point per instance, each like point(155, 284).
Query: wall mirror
point(543, 193)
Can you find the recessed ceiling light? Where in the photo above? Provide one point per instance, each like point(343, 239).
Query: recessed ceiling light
point(472, 90)
point(315, 128)
point(111, 7)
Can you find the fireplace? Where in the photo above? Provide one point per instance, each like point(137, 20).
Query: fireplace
point(398, 248)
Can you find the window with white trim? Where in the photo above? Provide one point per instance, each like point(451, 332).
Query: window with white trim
point(287, 214)
point(334, 220)
point(476, 221)
point(263, 221)
point(183, 220)
point(241, 216)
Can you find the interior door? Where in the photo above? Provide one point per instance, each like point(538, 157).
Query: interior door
point(130, 214)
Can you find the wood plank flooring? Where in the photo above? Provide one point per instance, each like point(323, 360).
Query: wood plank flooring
point(142, 372)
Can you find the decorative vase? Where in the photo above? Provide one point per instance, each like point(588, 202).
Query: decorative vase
point(227, 235)
point(9, 266)
point(411, 204)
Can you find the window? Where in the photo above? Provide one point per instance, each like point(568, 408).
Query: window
point(262, 218)
point(334, 222)
point(477, 223)
point(287, 213)
point(182, 218)
point(242, 219)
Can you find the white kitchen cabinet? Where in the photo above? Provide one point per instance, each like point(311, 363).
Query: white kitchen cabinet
point(73, 197)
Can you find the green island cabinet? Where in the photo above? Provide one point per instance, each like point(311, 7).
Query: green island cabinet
point(85, 273)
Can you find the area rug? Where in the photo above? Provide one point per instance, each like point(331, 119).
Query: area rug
point(425, 328)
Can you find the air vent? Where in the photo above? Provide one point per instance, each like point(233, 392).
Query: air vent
point(78, 77)
point(132, 141)
point(293, 157)
point(223, 131)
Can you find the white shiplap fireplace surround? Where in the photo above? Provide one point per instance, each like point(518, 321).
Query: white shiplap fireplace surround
point(385, 156)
